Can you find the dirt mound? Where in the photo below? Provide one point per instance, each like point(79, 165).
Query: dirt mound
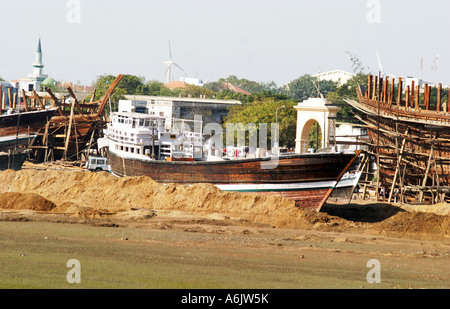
point(30, 201)
point(416, 223)
point(97, 195)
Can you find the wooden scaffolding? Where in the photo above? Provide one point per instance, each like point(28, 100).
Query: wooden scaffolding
point(74, 128)
point(410, 139)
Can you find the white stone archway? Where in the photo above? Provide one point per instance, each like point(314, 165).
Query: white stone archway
point(311, 111)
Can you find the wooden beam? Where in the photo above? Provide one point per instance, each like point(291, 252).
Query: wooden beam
point(15, 100)
point(397, 170)
point(1, 98)
point(108, 94)
point(391, 96)
point(25, 101)
point(399, 91)
point(385, 89)
point(439, 93)
point(380, 89)
point(375, 85)
point(69, 129)
point(80, 110)
point(407, 96)
point(424, 181)
point(93, 95)
point(38, 99)
point(45, 141)
point(55, 101)
point(426, 98)
point(369, 84)
point(417, 101)
point(9, 97)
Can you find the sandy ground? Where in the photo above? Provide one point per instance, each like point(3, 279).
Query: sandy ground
point(363, 228)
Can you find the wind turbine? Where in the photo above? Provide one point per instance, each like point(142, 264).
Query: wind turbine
point(169, 64)
point(379, 65)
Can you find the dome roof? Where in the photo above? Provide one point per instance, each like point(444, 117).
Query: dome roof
point(49, 81)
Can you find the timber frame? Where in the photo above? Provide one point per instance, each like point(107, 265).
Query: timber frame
point(410, 138)
point(73, 129)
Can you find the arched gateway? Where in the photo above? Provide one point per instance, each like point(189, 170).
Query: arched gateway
point(311, 111)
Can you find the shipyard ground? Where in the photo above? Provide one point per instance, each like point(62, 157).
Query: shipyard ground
point(132, 233)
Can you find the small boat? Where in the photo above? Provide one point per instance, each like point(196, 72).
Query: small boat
point(148, 145)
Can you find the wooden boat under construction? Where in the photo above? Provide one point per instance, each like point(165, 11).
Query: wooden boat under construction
point(139, 145)
point(18, 130)
point(410, 137)
point(74, 127)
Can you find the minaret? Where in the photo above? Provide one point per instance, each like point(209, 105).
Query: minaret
point(36, 78)
point(38, 65)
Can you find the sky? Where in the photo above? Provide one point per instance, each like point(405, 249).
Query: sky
point(263, 40)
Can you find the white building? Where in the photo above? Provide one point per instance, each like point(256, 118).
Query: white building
point(192, 81)
point(336, 76)
point(212, 110)
point(351, 136)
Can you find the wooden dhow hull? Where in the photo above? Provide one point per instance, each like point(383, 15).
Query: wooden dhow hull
point(410, 138)
point(308, 179)
point(23, 123)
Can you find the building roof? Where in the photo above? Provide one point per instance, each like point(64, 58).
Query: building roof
point(234, 88)
point(176, 84)
point(49, 81)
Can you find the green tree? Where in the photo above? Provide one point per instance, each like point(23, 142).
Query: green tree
point(307, 86)
point(157, 88)
point(245, 84)
point(103, 83)
point(315, 136)
point(264, 111)
point(197, 92)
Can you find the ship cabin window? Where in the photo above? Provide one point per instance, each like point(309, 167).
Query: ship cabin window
point(141, 122)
